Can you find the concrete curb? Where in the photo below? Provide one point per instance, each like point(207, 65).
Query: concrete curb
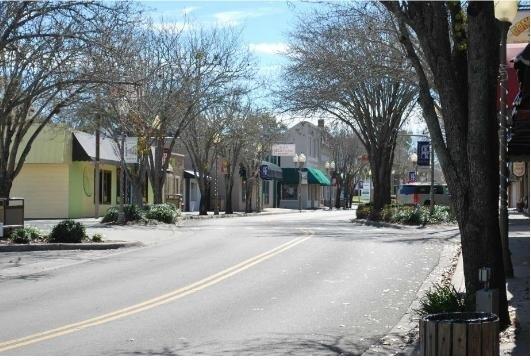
point(211, 216)
point(380, 224)
point(403, 337)
point(65, 246)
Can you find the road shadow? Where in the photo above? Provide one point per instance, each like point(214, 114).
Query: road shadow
point(278, 345)
point(28, 277)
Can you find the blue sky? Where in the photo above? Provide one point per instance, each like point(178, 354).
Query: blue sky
point(264, 24)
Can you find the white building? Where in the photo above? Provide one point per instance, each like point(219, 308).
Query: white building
point(315, 183)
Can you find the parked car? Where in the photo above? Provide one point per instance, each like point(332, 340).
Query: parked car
point(419, 194)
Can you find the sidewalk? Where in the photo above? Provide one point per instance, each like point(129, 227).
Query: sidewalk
point(514, 340)
point(267, 211)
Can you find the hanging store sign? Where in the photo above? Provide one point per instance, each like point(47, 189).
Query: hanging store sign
point(283, 150)
point(423, 153)
point(131, 150)
point(519, 168)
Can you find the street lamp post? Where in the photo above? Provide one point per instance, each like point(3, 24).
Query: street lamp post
point(299, 160)
point(216, 196)
point(505, 11)
point(413, 158)
point(330, 166)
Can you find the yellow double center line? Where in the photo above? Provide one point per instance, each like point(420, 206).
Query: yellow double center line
point(156, 301)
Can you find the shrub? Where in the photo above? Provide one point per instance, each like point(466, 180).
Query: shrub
point(111, 215)
point(132, 213)
point(363, 211)
point(97, 238)
point(441, 299)
point(441, 214)
point(25, 235)
point(166, 213)
point(68, 231)
point(387, 213)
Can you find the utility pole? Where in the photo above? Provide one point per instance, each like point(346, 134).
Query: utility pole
point(97, 171)
point(121, 212)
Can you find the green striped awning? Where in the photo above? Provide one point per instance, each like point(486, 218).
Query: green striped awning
point(316, 176)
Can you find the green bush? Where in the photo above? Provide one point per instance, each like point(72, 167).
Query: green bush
point(25, 235)
point(441, 299)
point(387, 213)
point(111, 215)
point(131, 212)
point(408, 214)
point(166, 213)
point(97, 238)
point(363, 211)
point(68, 231)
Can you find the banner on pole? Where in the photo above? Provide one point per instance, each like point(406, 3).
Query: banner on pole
point(131, 150)
point(423, 153)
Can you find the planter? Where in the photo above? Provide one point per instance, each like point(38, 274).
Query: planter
point(467, 333)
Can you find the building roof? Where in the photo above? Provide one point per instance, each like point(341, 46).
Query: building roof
point(84, 148)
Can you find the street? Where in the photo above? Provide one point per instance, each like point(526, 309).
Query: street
point(309, 283)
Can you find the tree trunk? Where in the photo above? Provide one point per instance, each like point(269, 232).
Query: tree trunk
point(6, 182)
point(381, 176)
point(249, 185)
point(229, 185)
point(338, 194)
point(137, 197)
point(203, 189)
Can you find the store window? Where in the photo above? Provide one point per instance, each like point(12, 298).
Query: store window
point(265, 191)
point(105, 187)
point(289, 191)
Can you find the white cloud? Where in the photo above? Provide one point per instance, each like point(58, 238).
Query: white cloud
point(269, 48)
point(233, 18)
point(187, 10)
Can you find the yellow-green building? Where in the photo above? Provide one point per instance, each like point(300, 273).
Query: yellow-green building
point(57, 178)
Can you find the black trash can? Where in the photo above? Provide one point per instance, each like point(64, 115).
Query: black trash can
point(460, 333)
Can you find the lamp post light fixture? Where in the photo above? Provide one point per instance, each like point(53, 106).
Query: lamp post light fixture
point(505, 12)
point(330, 166)
point(299, 160)
point(413, 158)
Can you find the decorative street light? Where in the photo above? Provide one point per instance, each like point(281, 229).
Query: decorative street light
point(330, 166)
point(413, 158)
point(216, 141)
point(505, 12)
point(299, 160)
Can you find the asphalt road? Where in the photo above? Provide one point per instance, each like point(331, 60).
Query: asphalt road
point(290, 284)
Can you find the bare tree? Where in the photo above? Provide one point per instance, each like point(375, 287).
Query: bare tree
point(347, 150)
point(261, 131)
point(341, 68)
point(201, 139)
point(235, 138)
point(45, 67)
point(459, 42)
point(198, 69)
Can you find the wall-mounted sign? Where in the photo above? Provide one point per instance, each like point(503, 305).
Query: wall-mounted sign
point(412, 177)
point(519, 168)
point(519, 30)
point(283, 150)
